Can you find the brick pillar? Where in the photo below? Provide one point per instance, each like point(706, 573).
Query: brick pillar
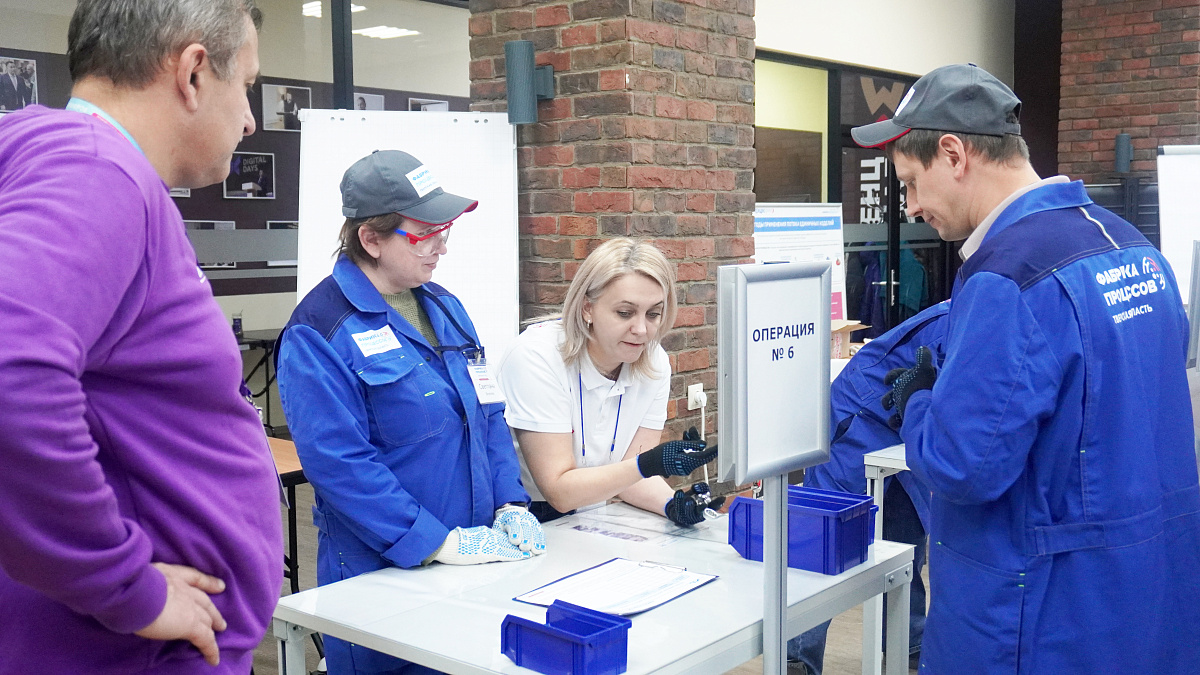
point(1127, 67)
point(651, 136)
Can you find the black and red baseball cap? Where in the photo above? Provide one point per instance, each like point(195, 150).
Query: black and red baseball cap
point(391, 181)
point(962, 98)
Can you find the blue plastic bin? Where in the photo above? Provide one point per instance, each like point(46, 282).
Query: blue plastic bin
point(828, 532)
point(574, 641)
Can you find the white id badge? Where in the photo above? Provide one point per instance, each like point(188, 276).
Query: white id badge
point(487, 390)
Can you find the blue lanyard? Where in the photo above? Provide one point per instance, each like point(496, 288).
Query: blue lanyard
point(81, 106)
point(583, 427)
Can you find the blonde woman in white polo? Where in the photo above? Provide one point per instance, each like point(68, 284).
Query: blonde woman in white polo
point(587, 393)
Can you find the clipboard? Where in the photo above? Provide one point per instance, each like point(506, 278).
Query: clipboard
point(620, 586)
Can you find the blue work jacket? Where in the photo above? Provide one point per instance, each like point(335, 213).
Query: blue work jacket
point(858, 423)
point(1057, 441)
point(390, 433)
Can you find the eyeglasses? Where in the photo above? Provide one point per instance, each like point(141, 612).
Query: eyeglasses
point(429, 241)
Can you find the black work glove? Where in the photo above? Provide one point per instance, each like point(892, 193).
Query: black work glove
point(687, 508)
point(906, 381)
point(675, 458)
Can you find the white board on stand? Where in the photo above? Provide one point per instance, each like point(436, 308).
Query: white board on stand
point(1178, 210)
point(804, 232)
point(470, 154)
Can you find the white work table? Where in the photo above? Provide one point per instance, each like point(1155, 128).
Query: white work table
point(879, 464)
point(448, 617)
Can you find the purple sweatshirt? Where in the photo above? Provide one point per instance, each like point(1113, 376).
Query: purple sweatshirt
point(123, 437)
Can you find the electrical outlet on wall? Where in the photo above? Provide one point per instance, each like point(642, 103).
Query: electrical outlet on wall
point(694, 392)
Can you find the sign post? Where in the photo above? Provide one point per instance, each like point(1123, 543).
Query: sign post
point(773, 388)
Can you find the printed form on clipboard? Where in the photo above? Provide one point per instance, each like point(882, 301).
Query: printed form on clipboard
point(620, 586)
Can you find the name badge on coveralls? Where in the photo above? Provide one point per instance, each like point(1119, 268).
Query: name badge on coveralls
point(376, 341)
point(487, 390)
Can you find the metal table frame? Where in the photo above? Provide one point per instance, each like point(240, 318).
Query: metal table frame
point(287, 464)
point(264, 340)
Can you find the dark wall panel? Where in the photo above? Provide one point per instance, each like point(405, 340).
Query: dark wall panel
point(789, 165)
point(1037, 52)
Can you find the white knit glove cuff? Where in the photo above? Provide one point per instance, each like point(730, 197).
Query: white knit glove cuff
point(475, 545)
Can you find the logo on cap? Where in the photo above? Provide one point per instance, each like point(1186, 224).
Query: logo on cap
point(422, 180)
point(907, 97)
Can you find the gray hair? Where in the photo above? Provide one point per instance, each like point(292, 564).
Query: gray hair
point(127, 41)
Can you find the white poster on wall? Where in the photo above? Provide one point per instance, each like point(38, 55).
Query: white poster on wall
point(471, 154)
point(804, 233)
point(1178, 214)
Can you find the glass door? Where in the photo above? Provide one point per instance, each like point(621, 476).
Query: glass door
point(895, 266)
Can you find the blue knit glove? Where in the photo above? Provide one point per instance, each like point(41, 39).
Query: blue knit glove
point(522, 529)
point(474, 545)
point(905, 382)
point(686, 509)
point(675, 458)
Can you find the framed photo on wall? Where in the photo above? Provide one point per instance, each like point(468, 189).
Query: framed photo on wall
point(281, 106)
point(427, 104)
point(282, 225)
point(18, 83)
point(251, 176)
point(368, 101)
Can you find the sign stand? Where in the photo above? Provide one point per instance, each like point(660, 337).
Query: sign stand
point(773, 377)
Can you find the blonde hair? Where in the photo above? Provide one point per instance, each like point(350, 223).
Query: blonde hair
point(610, 261)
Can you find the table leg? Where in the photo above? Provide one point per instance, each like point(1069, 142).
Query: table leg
point(872, 656)
point(269, 352)
point(290, 647)
point(293, 545)
point(873, 608)
point(875, 484)
point(897, 620)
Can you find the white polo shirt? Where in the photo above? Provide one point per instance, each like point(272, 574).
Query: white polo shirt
point(542, 393)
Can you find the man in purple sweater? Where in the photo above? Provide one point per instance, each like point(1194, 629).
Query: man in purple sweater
point(139, 522)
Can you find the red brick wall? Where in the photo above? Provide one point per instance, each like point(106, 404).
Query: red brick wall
point(651, 136)
point(1127, 67)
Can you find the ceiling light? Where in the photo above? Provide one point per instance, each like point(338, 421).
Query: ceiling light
point(313, 8)
point(385, 32)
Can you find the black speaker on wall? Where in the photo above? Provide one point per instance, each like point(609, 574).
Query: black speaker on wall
point(526, 82)
point(1124, 153)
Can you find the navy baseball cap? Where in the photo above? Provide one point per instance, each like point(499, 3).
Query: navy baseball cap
point(390, 181)
point(961, 98)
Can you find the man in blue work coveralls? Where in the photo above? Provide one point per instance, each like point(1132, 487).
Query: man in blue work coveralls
point(1057, 436)
point(859, 424)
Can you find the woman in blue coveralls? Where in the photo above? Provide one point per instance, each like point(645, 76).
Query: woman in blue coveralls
point(408, 464)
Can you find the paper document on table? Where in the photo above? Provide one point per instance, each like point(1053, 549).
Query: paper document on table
point(619, 586)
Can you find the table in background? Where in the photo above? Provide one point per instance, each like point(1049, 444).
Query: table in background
point(291, 475)
point(264, 340)
point(448, 617)
point(880, 464)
